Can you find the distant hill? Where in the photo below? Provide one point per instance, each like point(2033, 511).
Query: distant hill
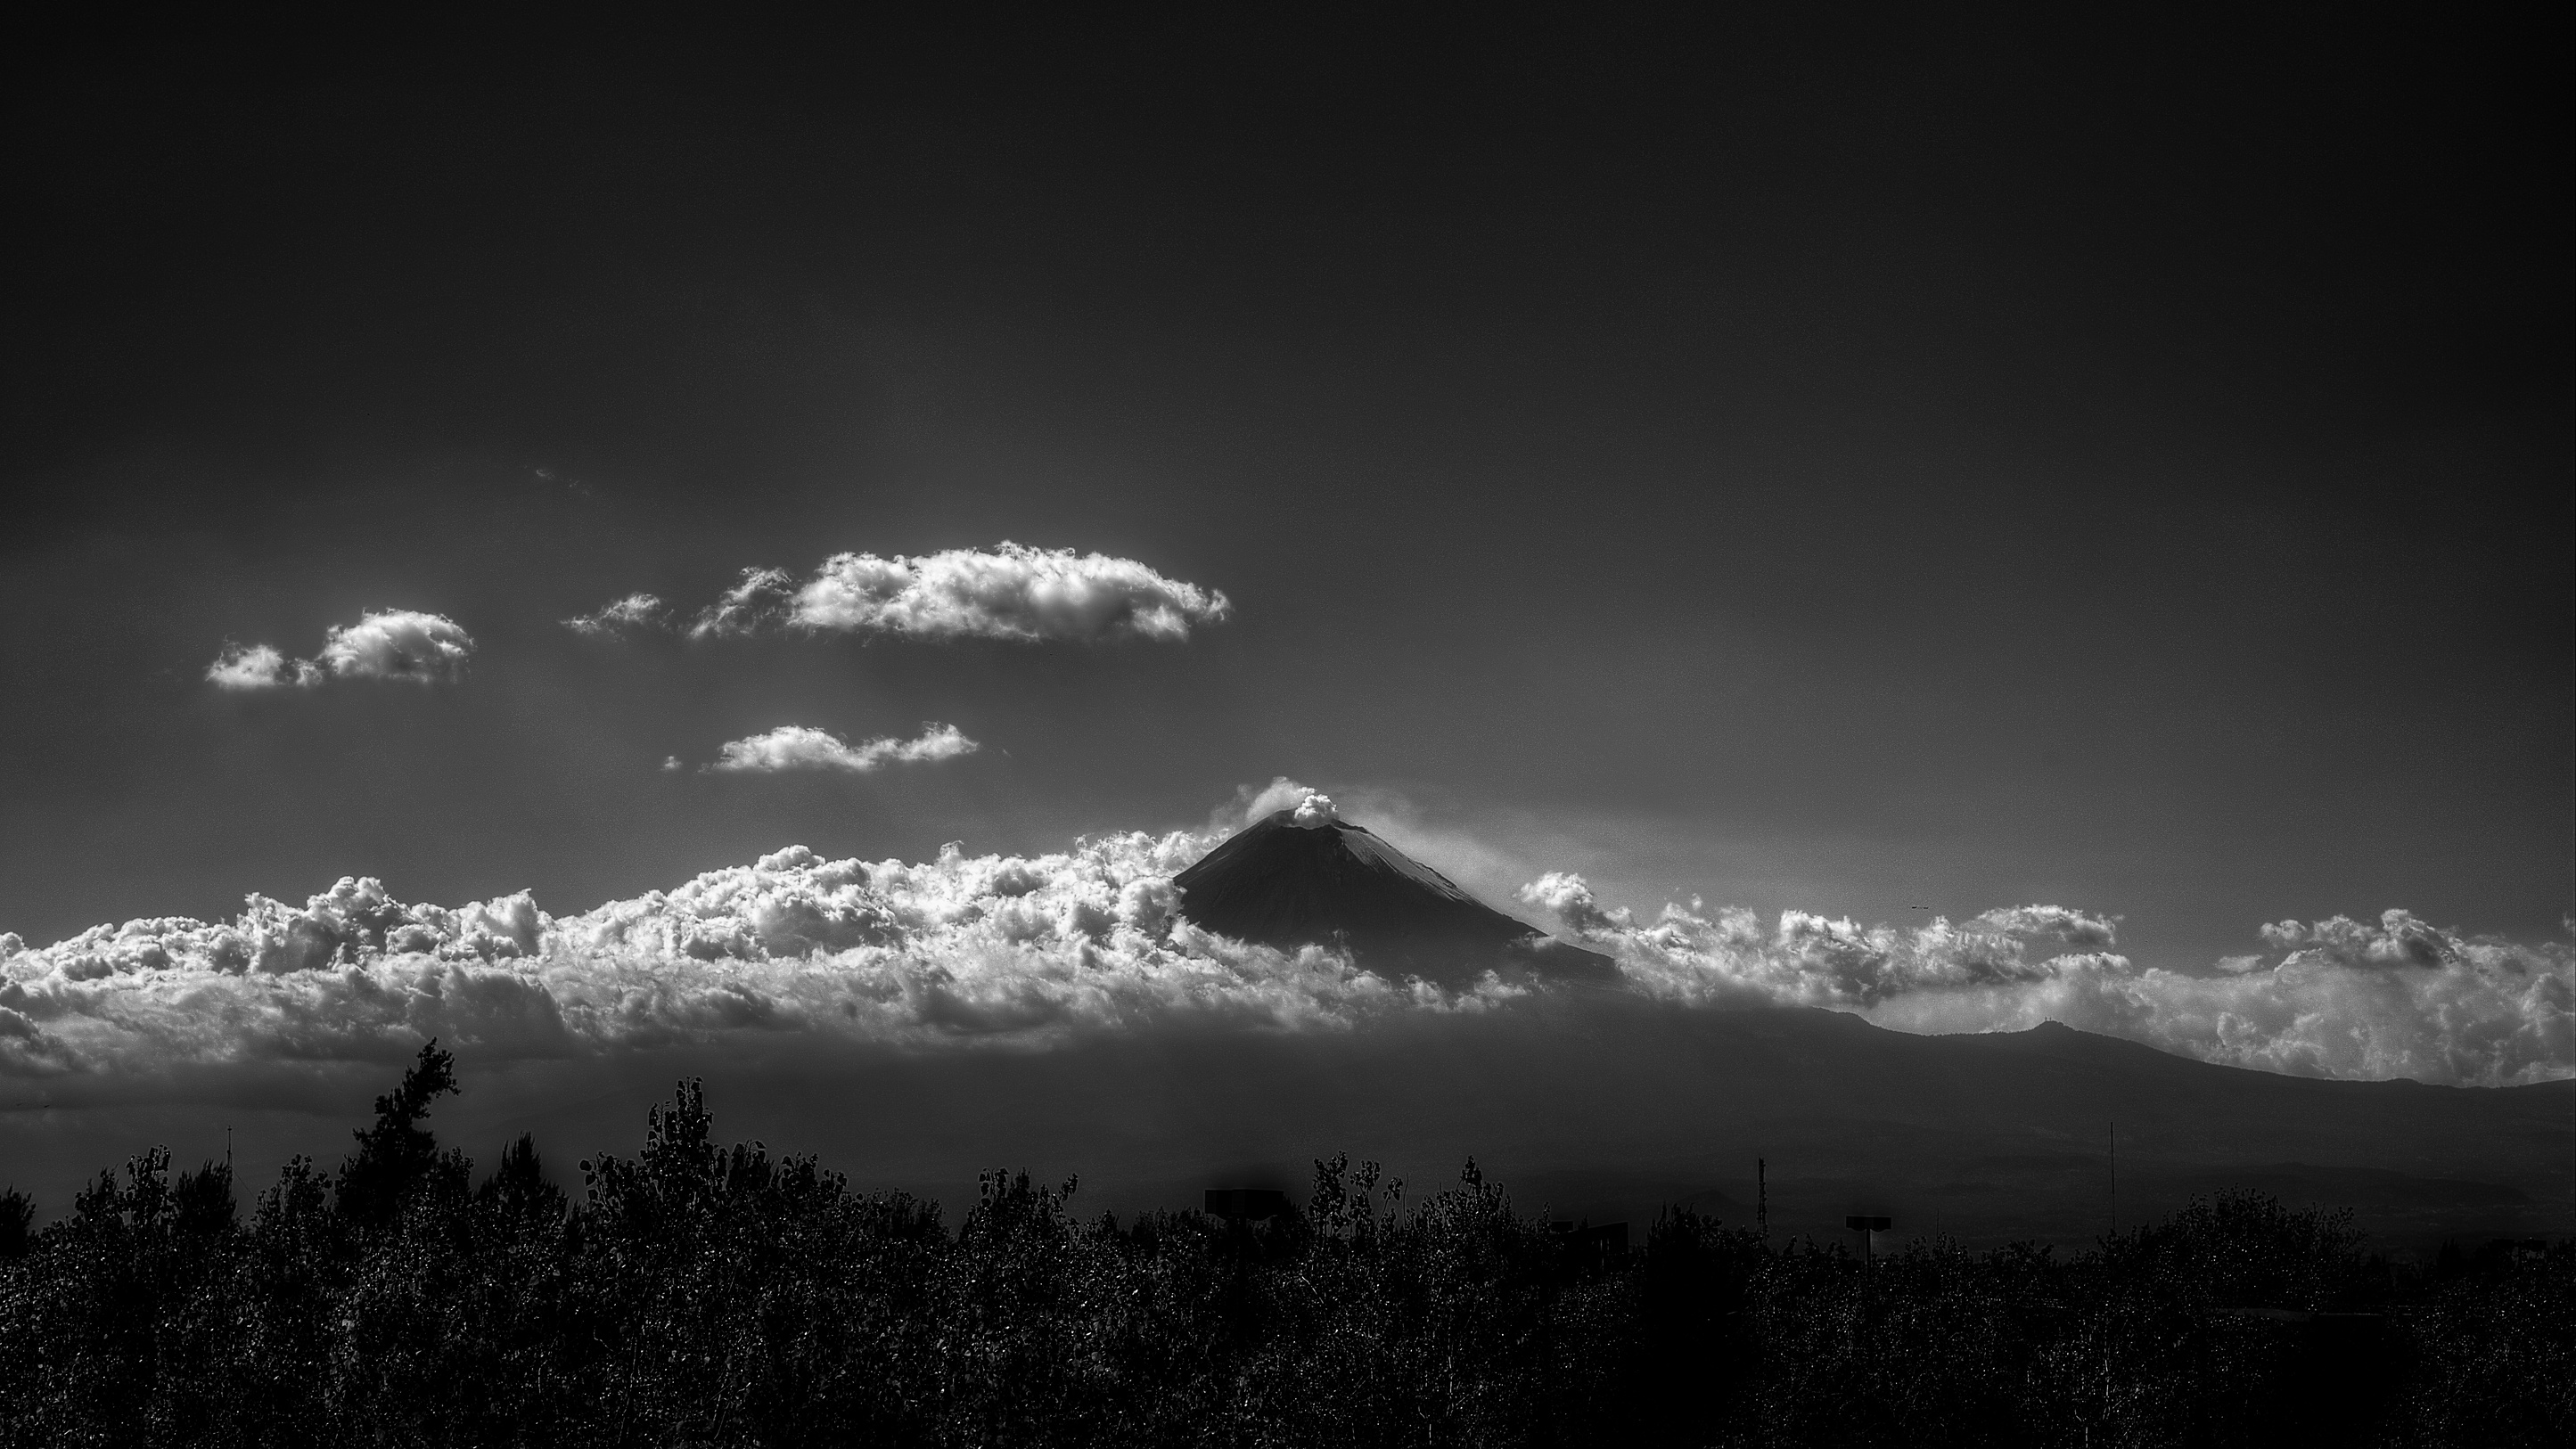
point(1607, 1106)
point(1287, 884)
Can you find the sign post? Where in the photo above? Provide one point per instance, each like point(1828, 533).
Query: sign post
point(1869, 1228)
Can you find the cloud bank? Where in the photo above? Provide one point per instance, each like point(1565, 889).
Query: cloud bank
point(966, 952)
point(2335, 998)
point(795, 747)
point(1009, 591)
point(958, 951)
point(390, 644)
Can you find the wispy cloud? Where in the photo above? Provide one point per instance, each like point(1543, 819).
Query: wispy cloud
point(1010, 591)
point(796, 747)
point(389, 644)
point(761, 601)
point(632, 615)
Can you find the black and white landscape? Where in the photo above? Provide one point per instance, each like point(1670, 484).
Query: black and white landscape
point(1335, 728)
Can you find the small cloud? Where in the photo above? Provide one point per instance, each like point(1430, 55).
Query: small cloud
point(258, 666)
point(629, 616)
point(1568, 897)
point(389, 644)
point(1010, 591)
point(398, 644)
point(672, 762)
point(796, 747)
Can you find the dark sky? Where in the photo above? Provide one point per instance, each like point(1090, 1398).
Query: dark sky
point(1846, 461)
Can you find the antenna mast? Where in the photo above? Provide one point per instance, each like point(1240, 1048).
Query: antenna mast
point(1762, 1198)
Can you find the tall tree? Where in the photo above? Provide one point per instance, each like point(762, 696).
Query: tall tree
point(396, 1153)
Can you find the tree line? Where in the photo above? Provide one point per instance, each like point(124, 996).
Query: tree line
point(700, 1293)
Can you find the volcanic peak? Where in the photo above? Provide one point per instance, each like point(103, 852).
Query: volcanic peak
point(1286, 883)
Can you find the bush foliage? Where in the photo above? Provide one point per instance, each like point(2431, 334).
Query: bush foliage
point(699, 1293)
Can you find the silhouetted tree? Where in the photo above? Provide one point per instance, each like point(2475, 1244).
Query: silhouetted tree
point(17, 1219)
point(203, 1200)
point(396, 1154)
point(709, 1294)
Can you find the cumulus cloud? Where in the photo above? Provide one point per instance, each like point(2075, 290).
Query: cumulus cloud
point(388, 644)
point(629, 616)
point(961, 950)
point(2075, 928)
point(965, 951)
point(1567, 898)
point(2498, 1013)
point(258, 666)
point(2336, 998)
point(1007, 592)
point(1010, 591)
point(1803, 958)
point(796, 747)
point(1316, 809)
point(397, 644)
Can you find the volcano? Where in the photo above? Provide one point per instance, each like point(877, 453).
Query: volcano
point(1300, 877)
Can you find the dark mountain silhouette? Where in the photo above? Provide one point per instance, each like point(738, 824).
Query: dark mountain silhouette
point(1287, 884)
point(1593, 1104)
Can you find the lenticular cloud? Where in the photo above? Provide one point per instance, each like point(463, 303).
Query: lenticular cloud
point(796, 747)
point(388, 644)
point(967, 951)
point(1010, 591)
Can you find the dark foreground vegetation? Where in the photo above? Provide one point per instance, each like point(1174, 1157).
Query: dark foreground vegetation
point(703, 1294)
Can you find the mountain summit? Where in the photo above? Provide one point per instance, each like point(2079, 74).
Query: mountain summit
point(1305, 877)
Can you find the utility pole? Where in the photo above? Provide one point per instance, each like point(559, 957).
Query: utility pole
point(1762, 1199)
point(2115, 1177)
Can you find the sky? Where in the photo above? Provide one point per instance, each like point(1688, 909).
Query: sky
point(1888, 467)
